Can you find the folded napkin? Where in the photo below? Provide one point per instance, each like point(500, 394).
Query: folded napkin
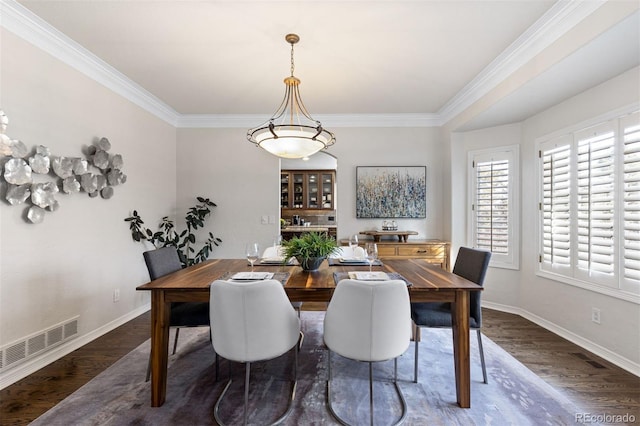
point(272, 260)
point(353, 260)
point(343, 261)
point(369, 276)
point(251, 276)
point(277, 261)
point(339, 276)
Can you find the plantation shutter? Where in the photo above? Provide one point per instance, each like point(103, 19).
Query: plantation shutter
point(492, 206)
point(595, 201)
point(631, 205)
point(555, 204)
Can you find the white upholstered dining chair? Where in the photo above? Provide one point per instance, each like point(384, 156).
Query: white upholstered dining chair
point(253, 321)
point(277, 252)
point(368, 321)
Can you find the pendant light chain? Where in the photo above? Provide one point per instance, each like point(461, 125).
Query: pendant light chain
point(292, 64)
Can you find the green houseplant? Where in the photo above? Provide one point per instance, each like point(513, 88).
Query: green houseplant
point(311, 248)
point(166, 235)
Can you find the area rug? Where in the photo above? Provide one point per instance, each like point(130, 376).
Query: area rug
point(120, 395)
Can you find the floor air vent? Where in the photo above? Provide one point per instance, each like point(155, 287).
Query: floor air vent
point(17, 352)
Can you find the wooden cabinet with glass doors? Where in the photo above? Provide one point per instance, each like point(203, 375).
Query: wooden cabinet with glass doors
point(307, 189)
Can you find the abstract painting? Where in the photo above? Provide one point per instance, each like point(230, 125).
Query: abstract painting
point(391, 192)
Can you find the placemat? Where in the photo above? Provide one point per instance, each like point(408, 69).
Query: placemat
point(335, 261)
point(278, 276)
point(339, 276)
point(291, 262)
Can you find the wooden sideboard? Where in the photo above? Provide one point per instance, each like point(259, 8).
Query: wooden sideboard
point(434, 251)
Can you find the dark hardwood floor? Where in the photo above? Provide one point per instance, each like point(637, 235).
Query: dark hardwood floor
point(594, 384)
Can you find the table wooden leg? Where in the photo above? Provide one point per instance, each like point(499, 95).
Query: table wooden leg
point(460, 313)
point(160, 315)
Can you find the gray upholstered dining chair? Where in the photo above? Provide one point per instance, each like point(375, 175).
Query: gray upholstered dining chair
point(253, 321)
point(368, 321)
point(471, 264)
point(164, 261)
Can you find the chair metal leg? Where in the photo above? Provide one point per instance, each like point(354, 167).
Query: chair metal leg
point(395, 383)
point(415, 362)
point(371, 392)
point(148, 369)
point(282, 418)
point(217, 366)
point(484, 368)
point(216, 407)
point(247, 369)
point(175, 341)
point(371, 406)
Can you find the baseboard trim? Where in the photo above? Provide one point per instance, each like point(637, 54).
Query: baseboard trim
point(29, 367)
point(592, 347)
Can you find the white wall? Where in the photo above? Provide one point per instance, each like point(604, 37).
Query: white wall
point(565, 306)
point(244, 181)
point(389, 147)
point(71, 263)
point(560, 307)
point(503, 288)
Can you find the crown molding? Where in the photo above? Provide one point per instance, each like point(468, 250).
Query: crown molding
point(328, 120)
point(33, 29)
point(563, 16)
point(557, 21)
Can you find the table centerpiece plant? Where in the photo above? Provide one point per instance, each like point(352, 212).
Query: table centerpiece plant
point(310, 249)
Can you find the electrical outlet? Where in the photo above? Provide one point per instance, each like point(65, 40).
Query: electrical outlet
point(116, 295)
point(265, 220)
point(595, 315)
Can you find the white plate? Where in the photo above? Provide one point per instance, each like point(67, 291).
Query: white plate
point(252, 276)
point(369, 276)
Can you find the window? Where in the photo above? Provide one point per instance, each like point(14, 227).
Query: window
point(494, 204)
point(590, 207)
point(631, 202)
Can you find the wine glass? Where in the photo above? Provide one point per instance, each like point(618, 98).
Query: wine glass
point(372, 253)
point(253, 253)
point(353, 243)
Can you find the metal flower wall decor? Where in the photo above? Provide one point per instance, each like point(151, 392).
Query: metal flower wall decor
point(28, 173)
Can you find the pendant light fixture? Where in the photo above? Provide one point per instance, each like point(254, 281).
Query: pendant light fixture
point(291, 132)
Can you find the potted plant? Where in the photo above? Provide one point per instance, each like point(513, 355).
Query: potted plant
point(311, 248)
point(183, 241)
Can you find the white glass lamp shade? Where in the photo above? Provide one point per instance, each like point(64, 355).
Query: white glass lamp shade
point(292, 141)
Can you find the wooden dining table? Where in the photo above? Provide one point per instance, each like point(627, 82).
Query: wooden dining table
point(428, 283)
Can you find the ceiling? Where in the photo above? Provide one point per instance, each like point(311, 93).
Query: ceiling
point(427, 58)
